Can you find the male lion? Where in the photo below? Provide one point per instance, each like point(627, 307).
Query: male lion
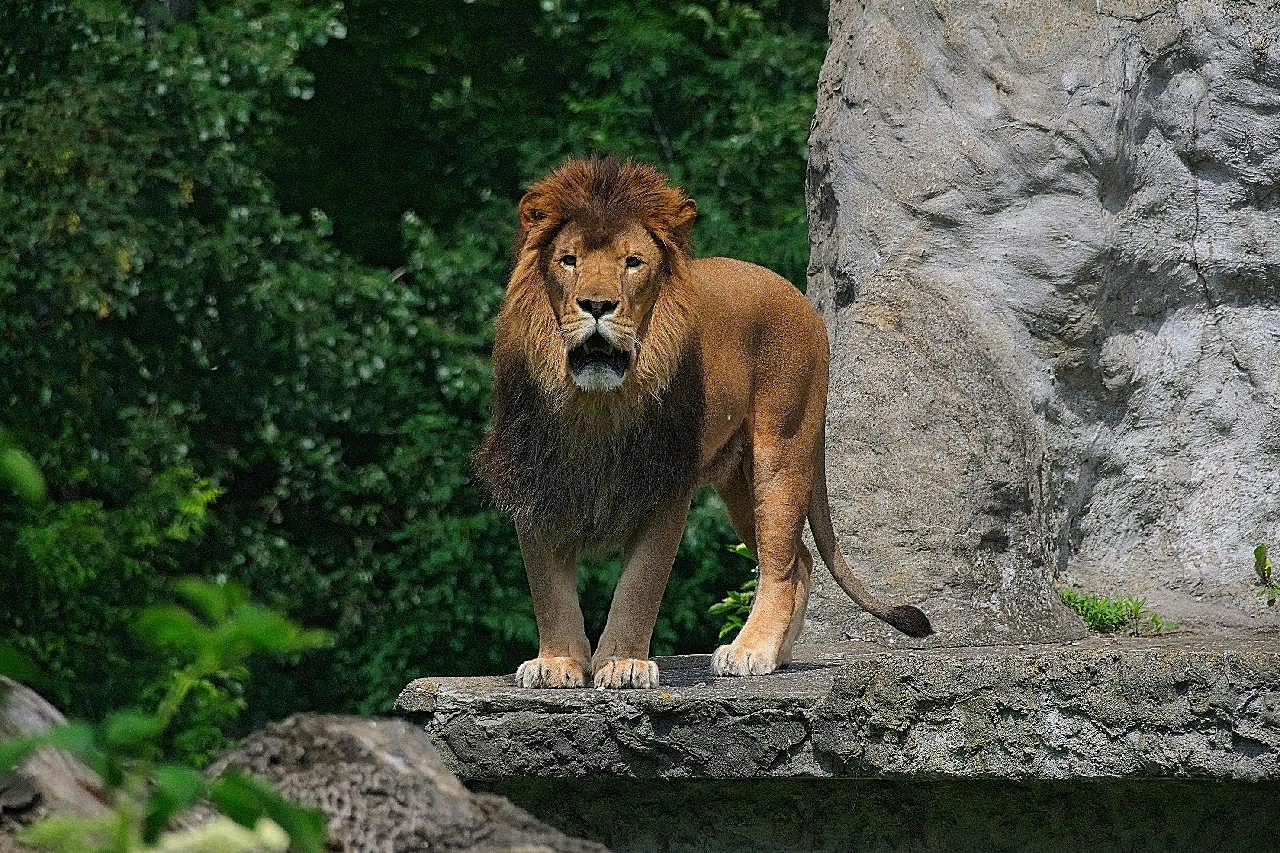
point(626, 375)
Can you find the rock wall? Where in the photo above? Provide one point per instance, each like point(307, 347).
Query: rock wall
point(1046, 240)
point(839, 815)
point(1143, 708)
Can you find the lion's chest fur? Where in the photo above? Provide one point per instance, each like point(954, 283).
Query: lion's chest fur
point(576, 483)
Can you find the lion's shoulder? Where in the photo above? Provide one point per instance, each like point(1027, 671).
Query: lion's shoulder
point(725, 277)
point(730, 292)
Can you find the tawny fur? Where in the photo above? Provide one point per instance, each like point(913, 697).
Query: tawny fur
point(726, 385)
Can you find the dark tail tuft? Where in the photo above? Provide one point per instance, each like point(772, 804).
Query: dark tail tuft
point(910, 621)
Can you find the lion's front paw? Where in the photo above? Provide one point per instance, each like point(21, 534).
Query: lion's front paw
point(735, 659)
point(621, 673)
point(551, 672)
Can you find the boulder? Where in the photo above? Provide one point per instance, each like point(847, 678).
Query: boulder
point(1046, 241)
point(50, 780)
point(383, 787)
point(380, 783)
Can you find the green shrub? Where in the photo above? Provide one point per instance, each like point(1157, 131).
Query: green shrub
point(211, 638)
point(735, 607)
point(1106, 615)
point(147, 287)
point(1270, 589)
point(211, 378)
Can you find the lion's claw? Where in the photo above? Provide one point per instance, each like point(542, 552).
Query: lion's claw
point(734, 659)
point(551, 672)
point(623, 673)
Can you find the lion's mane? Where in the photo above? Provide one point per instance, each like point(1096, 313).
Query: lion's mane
point(583, 467)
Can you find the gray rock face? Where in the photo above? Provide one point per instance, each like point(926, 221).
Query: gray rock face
point(839, 815)
point(1156, 708)
point(382, 786)
point(1046, 240)
point(50, 780)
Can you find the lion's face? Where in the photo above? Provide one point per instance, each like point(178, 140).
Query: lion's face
point(602, 292)
point(596, 307)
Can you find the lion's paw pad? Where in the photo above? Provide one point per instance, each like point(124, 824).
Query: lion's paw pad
point(551, 672)
point(623, 673)
point(734, 659)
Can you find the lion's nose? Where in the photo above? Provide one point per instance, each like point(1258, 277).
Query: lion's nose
point(596, 308)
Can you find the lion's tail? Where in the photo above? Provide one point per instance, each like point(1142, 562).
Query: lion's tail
point(907, 619)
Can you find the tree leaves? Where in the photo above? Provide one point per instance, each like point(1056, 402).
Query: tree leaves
point(19, 472)
point(216, 381)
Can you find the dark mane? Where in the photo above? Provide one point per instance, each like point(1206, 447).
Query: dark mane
point(576, 487)
point(603, 195)
point(583, 469)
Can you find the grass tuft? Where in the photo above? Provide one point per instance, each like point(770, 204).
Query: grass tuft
point(1108, 615)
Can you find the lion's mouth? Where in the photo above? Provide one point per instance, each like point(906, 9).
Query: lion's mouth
point(597, 364)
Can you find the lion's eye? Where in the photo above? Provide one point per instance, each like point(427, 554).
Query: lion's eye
point(633, 262)
point(569, 260)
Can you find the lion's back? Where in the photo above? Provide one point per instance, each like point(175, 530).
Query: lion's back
point(755, 299)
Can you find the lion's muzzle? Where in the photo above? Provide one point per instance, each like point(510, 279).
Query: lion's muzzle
point(597, 365)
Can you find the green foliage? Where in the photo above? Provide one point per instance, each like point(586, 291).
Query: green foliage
point(1270, 588)
point(140, 253)
point(719, 94)
point(247, 800)
point(19, 472)
point(199, 347)
point(212, 639)
point(735, 607)
point(1107, 615)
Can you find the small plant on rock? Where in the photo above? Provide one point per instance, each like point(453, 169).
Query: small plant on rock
point(1270, 589)
point(1121, 613)
point(736, 606)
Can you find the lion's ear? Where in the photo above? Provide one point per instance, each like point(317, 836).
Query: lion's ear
point(682, 222)
point(533, 211)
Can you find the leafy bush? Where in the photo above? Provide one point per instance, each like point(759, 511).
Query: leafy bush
point(147, 282)
point(455, 119)
point(1106, 615)
point(143, 793)
point(212, 378)
point(735, 607)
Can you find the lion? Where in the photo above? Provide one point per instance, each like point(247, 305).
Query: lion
point(627, 374)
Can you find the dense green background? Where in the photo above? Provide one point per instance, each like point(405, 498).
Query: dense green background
point(249, 257)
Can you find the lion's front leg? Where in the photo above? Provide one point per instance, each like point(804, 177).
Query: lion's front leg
point(622, 656)
point(564, 653)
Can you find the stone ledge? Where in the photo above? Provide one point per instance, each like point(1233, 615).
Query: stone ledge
point(1167, 707)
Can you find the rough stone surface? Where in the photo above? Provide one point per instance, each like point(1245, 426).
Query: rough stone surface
point(1139, 708)
point(1046, 240)
point(382, 786)
point(839, 815)
point(50, 780)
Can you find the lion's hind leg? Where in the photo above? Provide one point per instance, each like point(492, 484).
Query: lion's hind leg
point(800, 604)
point(779, 499)
point(739, 500)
